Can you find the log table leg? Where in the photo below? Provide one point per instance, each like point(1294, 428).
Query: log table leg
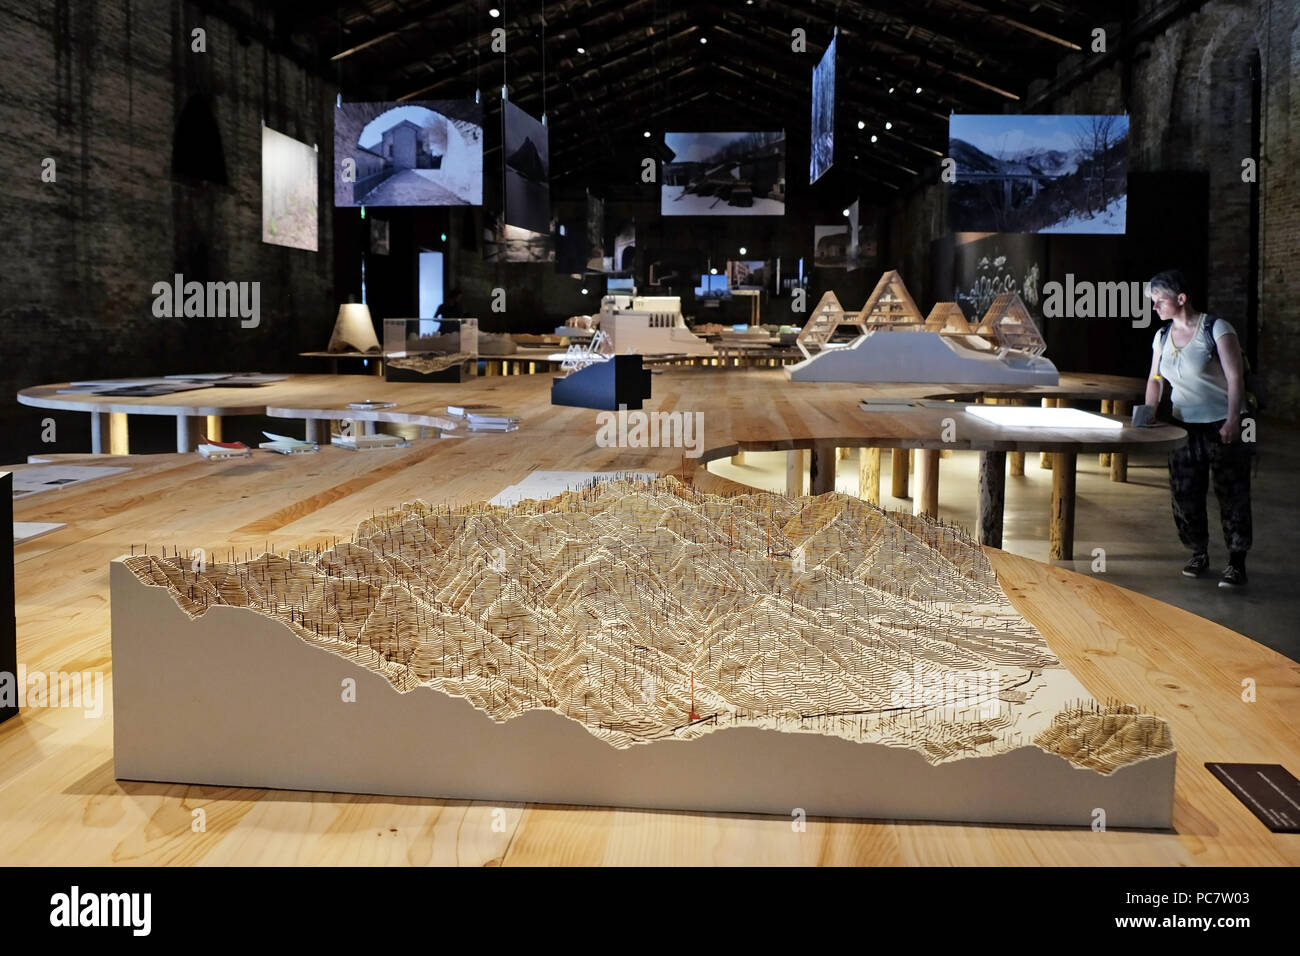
point(1045, 458)
point(821, 472)
point(926, 499)
point(898, 472)
point(1103, 459)
point(869, 475)
point(1119, 459)
point(794, 471)
point(119, 439)
point(993, 494)
point(1015, 459)
point(1062, 527)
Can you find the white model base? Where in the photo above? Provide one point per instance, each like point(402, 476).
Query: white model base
point(896, 356)
point(236, 699)
point(638, 333)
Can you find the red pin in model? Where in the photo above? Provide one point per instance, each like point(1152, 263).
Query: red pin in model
point(694, 716)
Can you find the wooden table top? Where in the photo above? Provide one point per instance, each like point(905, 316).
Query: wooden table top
point(60, 804)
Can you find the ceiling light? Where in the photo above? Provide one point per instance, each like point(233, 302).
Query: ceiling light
point(646, 134)
point(889, 126)
point(874, 137)
point(494, 13)
point(743, 250)
point(584, 291)
point(862, 124)
point(918, 89)
point(582, 49)
point(713, 271)
point(704, 39)
point(845, 211)
point(891, 89)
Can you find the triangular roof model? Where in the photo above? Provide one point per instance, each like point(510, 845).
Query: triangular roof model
point(1011, 326)
point(821, 325)
point(947, 317)
point(890, 305)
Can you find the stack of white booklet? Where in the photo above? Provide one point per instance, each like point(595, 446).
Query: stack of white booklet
point(364, 442)
point(484, 418)
point(285, 445)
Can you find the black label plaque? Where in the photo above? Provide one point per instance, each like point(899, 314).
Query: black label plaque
point(1270, 791)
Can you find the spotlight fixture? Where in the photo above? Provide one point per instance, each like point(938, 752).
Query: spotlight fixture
point(874, 137)
point(494, 13)
point(889, 126)
point(862, 124)
point(713, 271)
point(584, 291)
point(704, 39)
point(582, 49)
point(646, 134)
point(845, 211)
point(918, 89)
point(743, 250)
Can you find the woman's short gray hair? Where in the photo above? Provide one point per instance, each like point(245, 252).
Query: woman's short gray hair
point(1171, 282)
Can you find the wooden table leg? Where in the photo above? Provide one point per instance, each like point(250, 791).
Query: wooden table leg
point(1045, 458)
point(869, 475)
point(1015, 459)
point(821, 472)
point(738, 458)
point(794, 471)
point(926, 499)
point(1103, 459)
point(119, 439)
point(213, 425)
point(1119, 460)
point(1062, 527)
point(898, 472)
point(993, 494)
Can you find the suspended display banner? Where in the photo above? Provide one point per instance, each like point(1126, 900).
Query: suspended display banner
point(823, 115)
point(420, 153)
point(724, 174)
point(528, 171)
point(1038, 173)
point(289, 192)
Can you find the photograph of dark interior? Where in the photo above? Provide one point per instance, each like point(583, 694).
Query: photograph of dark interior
point(528, 171)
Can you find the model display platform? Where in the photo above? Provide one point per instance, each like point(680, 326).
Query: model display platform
point(617, 381)
point(429, 350)
point(632, 644)
point(895, 344)
point(652, 325)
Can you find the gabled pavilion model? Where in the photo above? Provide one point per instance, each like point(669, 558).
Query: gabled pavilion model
point(897, 345)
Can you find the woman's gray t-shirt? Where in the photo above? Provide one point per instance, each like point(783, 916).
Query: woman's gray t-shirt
point(1198, 387)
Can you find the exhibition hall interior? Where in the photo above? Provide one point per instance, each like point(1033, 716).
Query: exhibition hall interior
point(577, 432)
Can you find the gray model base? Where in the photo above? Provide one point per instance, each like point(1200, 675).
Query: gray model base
point(235, 699)
point(892, 356)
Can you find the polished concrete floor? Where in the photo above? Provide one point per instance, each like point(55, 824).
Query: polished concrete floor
point(1132, 523)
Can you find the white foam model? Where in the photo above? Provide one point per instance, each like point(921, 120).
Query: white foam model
point(285, 724)
point(653, 326)
point(885, 355)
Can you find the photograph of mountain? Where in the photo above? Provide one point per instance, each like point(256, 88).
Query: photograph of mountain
point(724, 174)
point(421, 153)
point(1042, 174)
point(528, 171)
point(823, 116)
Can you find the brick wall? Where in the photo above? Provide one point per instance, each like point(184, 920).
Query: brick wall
point(99, 89)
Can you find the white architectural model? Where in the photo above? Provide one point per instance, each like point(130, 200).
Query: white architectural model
point(632, 644)
point(652, 325)
point(895, 344)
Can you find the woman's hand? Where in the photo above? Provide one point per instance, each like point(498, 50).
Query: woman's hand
point(1230, 430)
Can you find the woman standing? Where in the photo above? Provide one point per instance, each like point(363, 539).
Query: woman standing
point(1199, 357)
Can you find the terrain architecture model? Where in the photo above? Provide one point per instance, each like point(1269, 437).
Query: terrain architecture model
point(651, 616)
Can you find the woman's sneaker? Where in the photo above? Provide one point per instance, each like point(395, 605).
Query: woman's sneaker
point(1199, 564)
point(1232, 578)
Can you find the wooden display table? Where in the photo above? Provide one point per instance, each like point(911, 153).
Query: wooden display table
point(60, 803)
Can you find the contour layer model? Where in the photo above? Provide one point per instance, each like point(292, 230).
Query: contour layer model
point(639, 645)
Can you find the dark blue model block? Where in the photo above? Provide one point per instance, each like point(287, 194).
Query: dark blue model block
point(605, 385)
